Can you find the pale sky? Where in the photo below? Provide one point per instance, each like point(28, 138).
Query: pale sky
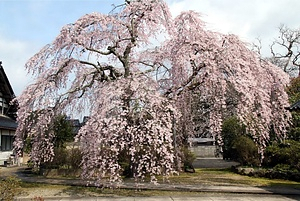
point(28, 25)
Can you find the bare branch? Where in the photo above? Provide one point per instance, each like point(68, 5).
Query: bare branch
point(286, 48)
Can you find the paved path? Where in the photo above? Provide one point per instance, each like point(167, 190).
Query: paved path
point(212, 193)
point(170, 187)
point(204, 197)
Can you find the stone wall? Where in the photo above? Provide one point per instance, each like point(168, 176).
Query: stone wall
point(208, 151)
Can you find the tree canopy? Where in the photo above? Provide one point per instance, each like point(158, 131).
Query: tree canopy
point(134, 71)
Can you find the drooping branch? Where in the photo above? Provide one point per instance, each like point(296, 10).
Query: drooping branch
point(106, 65)
point(190, 84)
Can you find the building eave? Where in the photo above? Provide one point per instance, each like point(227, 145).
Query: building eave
point(294, 107)
point(7, 123)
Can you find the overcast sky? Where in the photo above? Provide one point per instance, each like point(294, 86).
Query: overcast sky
point(28, 25)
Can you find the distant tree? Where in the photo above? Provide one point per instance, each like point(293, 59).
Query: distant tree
point(232, 128)
point(293, 91)
point(134, 71)
point(286, 50)
point(62, 131)
point(238, 144)
point(41, 141)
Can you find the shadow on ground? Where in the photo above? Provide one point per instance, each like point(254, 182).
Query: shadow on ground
point(213, 163)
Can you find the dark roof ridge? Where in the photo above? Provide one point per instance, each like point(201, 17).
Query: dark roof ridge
point(294, 107)
point(7, 123)
point(2, 72)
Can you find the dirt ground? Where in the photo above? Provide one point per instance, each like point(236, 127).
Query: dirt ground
point(8, 171)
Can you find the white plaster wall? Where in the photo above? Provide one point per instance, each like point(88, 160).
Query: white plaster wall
point(4, 156)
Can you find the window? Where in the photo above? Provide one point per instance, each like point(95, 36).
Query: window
point(6, 143)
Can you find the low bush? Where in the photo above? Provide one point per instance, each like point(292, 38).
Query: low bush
point(281, 161)
point(64, 159)
point(74, 158)
point(9, 188)
point(60, 158)
point(279, 172)
point(188, 158)
point(231, 129)
point(285, 155)
point(245, 151)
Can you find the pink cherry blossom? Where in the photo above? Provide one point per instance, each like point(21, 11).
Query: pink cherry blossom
point(141, 75)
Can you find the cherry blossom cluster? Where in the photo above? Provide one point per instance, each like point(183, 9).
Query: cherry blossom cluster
point(137, 123)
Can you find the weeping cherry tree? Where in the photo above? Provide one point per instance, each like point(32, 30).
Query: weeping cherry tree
point(133, 71)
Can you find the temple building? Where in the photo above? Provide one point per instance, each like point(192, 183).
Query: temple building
point(8, 114)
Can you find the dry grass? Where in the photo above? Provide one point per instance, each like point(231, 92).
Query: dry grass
point(201, 177)
point(226, 177)
point(47, 190)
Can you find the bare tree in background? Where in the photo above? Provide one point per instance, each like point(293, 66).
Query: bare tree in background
point(286, 50)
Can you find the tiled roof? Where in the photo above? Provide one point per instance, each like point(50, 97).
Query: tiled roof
point(7, 93)
point(294, 107)
point(75, 122)
point(5, 86)
point(7, 123)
